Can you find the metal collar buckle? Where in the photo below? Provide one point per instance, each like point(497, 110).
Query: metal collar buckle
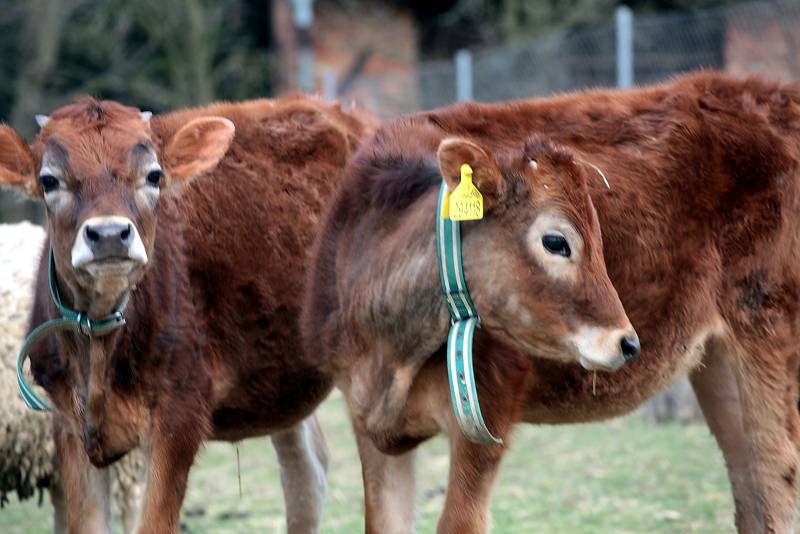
point(85, 324)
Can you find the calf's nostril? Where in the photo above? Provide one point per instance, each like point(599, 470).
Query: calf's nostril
point(630, 347)
point(92, 235)
point(125, 234)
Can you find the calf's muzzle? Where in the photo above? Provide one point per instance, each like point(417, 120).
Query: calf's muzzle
point(107, 238)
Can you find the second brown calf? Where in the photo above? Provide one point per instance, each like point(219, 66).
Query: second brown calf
point(375, 317)
point(701, 232)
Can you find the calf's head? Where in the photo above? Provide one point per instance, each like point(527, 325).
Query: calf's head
point(535, 262)
point(100, 172)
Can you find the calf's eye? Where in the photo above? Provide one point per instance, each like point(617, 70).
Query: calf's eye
point(556, 244)
point(154, 177)
point(49, 182)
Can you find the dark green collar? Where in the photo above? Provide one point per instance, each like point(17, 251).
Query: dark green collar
point(70, 320)
point(87, 327)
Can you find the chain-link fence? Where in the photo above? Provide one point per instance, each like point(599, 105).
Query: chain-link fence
point(754, 37)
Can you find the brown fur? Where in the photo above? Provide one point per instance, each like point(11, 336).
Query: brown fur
point(700, 231)
point(211, 346)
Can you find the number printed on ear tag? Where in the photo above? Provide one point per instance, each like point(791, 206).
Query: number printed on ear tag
point(466, 202)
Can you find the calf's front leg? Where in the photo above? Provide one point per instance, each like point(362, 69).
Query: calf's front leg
point(127, 488)
point(388, 488)
point(86, 488)
point(473, 466)
point(171, 455)
point(473, 469)
point(59, 508)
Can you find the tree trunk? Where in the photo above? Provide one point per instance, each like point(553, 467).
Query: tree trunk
point(285, 44)
point(198, 49)
point(43, 25)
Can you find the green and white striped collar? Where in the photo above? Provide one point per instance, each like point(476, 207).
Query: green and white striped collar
point(463, 389)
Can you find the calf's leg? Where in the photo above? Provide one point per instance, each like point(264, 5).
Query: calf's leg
point(717, 392)
point(303, 457)
point(127, 487)
point(59, 508)
point(170, 457)
point(86, 488)
point(388, 488)
point(766, 373)
point(473, 469)
point(389, 484)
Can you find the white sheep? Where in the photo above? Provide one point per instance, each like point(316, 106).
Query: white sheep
point(27, 451)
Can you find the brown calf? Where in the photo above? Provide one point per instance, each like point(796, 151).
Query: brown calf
point(701, 231)
point(206, 234)
point(374, 312)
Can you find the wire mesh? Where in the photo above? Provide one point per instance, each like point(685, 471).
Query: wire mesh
point(761, 37)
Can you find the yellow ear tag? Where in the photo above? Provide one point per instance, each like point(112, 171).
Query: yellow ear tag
point(466, 202)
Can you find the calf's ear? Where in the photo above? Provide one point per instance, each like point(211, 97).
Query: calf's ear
point(455, 151)
point(17, 168)
point(197, 147)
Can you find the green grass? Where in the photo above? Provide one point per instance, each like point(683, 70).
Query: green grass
point(622, 476)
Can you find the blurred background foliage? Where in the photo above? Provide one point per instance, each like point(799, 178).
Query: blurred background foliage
point(154, 53)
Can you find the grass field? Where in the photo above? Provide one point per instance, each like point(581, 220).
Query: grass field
point(618, 477)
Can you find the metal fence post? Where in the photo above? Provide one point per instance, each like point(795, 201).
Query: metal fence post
point(329, 85)
point(303, 17)
point(463, 61)
point(623, 18)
